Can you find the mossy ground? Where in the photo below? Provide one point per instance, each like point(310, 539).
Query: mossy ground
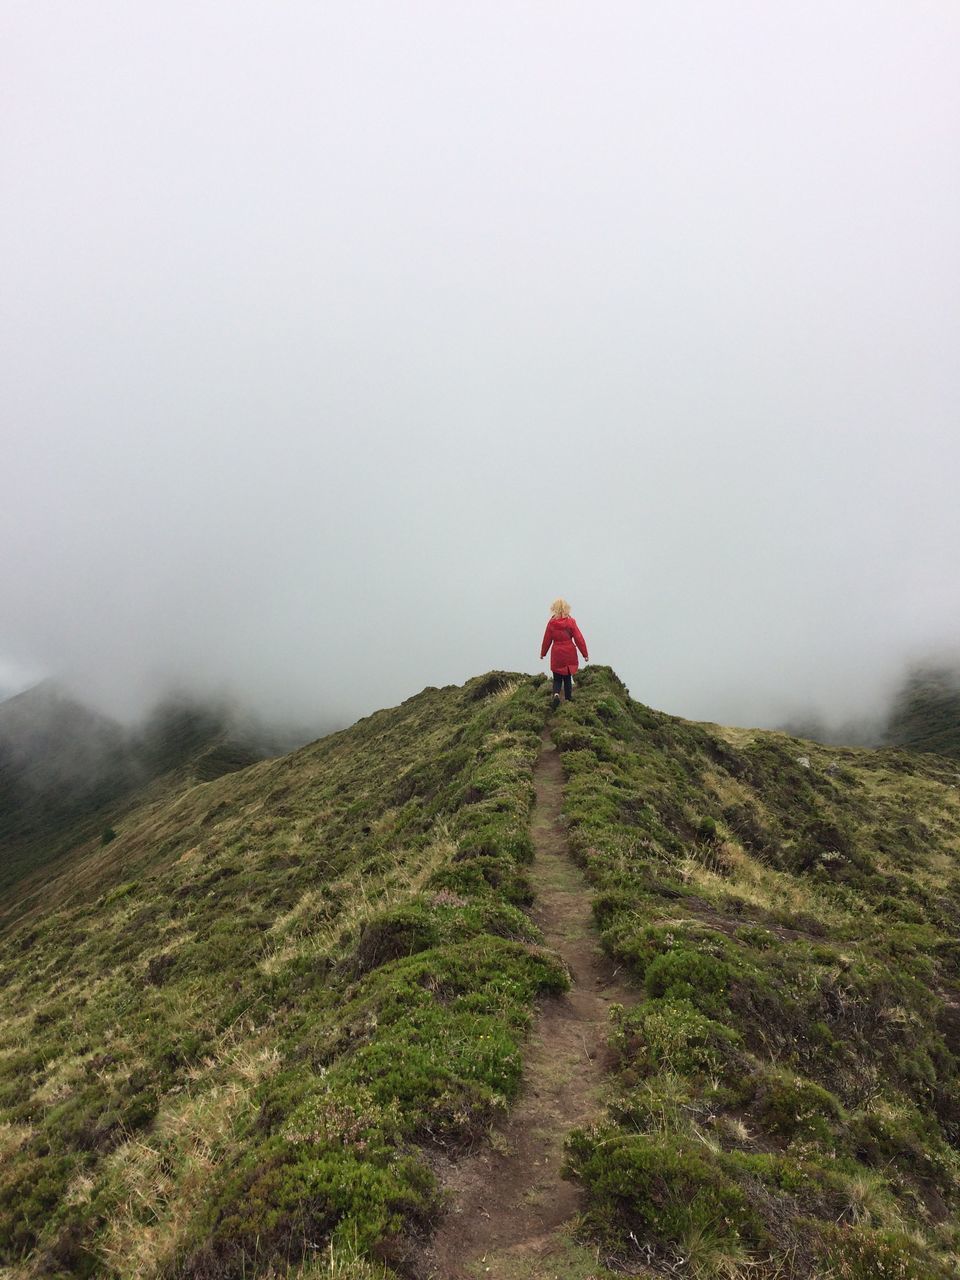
point(230, 1062)
point(787, 1101)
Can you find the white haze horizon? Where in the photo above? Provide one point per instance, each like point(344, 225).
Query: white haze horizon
point(340, 340)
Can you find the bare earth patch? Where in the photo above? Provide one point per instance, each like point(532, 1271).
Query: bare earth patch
point(509, 1205)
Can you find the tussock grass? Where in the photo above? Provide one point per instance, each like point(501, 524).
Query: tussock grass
point(343, 1262)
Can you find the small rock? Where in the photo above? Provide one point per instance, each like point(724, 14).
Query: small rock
point(803, 762)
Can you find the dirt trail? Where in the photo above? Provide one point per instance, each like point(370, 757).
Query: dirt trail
point(508, 1202)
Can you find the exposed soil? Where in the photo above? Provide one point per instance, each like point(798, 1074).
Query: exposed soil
point(508, 1203)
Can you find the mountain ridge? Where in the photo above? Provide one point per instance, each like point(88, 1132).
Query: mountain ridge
point(236, 1044)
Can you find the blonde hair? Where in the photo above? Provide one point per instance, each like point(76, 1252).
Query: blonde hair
point(560, 608)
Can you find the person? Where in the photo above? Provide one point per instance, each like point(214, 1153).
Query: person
point(564, 635)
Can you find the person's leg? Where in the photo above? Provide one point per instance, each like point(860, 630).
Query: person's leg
point(568, 686)
point(557, 682)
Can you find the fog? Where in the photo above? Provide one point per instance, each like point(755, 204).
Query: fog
point(339, 339)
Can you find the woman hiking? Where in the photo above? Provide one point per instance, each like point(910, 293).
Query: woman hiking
point(563, 633)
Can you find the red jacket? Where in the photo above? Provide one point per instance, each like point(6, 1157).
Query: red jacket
point(564, 635)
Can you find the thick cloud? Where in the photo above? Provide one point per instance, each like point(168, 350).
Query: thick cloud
point(340, 339)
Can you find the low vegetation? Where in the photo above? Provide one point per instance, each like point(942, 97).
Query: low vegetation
point(786, 1098)
point(235, 1034)
point(301, 978)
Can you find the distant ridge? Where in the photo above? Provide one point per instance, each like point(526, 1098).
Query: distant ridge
point(63, 767)
point(68, 773)
point(926, 711)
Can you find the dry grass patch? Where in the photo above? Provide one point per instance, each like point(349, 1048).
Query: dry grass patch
point(159, 1182)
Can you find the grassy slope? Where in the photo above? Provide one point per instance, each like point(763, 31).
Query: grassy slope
point(301, 974)
point(787, 1102)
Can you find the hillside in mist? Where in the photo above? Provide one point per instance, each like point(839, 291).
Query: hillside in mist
point(922, 713)
point(64, 769)
point(926, 712)
point(270, 1028)
point(69, 775)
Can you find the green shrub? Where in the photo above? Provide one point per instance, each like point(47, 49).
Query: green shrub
point(671, 1035)
point(793, 1107)
point(400, 932)
point(897, 1135)
point(659, 1189)
point(293, 1193)
point(707, 830)
point(683, 974)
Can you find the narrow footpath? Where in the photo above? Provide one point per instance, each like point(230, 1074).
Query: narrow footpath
point(509, 1205)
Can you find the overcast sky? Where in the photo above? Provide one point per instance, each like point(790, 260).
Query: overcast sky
point(340, 338)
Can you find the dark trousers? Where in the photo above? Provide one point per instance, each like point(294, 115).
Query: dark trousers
point(566, 681)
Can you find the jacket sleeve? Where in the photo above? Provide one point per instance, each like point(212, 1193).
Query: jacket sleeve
point(580, 642)
point(547, 642)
